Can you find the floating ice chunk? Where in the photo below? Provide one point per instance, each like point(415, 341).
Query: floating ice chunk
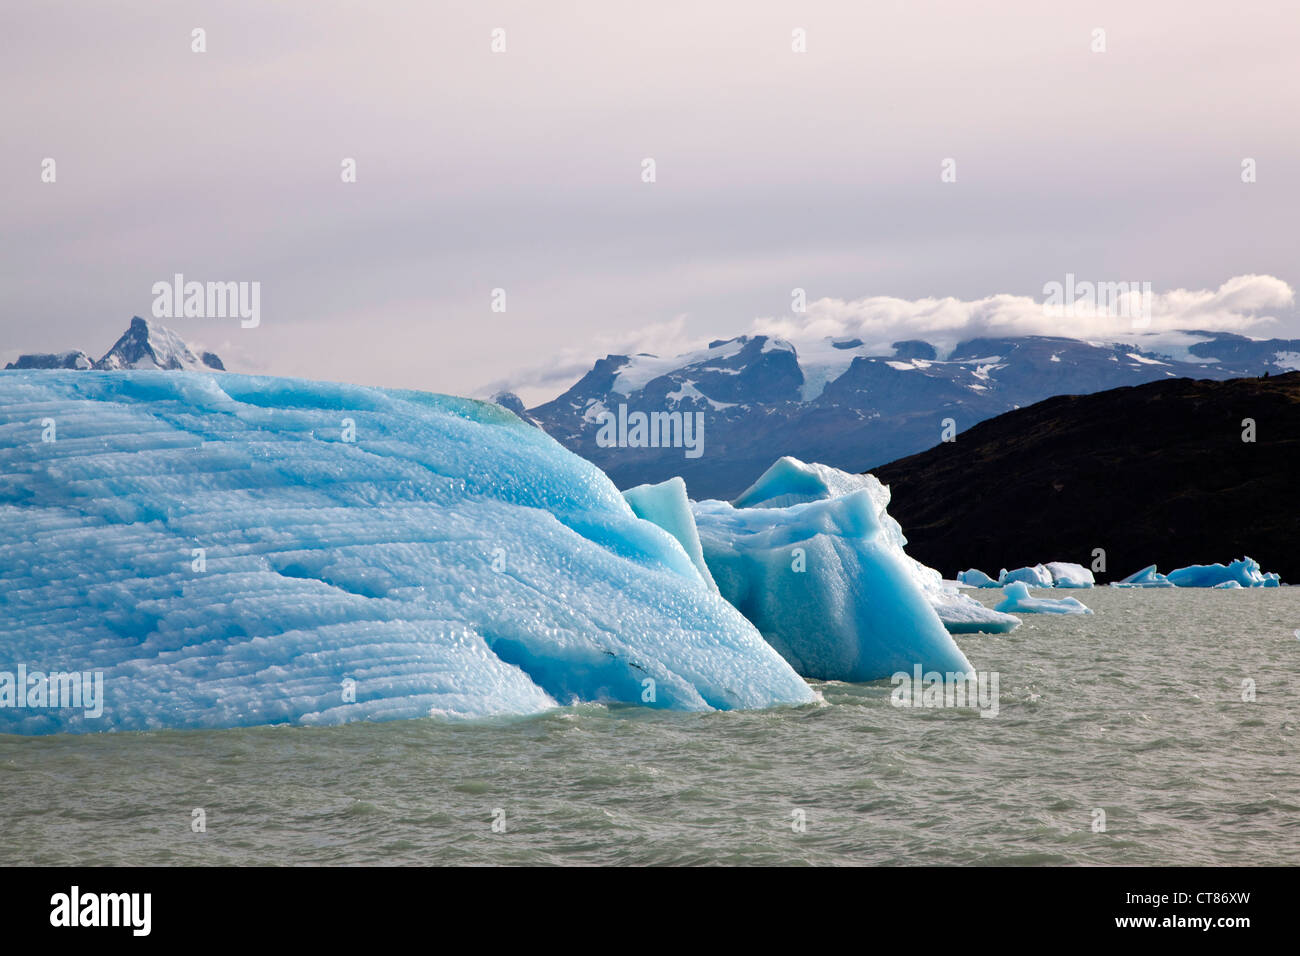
point(962, 614)
point(1148, 577)
point(790, 481)
point(231, 551)
point(1245, 571)
point(1038, 576)
point(1066, 575)
point(827, 587)
point(666, 505)
point(1019, 601)
point(1227, 585)
point(976, 578)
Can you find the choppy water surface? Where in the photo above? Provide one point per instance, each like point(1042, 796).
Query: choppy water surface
point(1136, 710)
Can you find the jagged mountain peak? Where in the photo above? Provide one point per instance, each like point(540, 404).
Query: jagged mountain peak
point(144, 345)
point(147, 345)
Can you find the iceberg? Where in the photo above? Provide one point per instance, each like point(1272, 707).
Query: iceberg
point(1067, 575)
point(961, 614)
point(1037, 577)
point(1148, 577)
point(790, 481)
point(1018, 600)
point(1245, 571)
point(667, 506)
point(825, 584)
point(975, 578)
point(227, 550)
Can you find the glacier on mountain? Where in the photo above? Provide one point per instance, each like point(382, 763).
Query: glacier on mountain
point(230, 550)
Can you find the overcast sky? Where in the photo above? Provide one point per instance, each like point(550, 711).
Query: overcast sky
point(522, 170)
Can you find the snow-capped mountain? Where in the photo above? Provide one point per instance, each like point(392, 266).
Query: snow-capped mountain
point(143, 345)
point(75, 359)
point(838, 404)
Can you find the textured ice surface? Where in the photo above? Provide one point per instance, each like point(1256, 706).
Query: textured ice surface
point(1067, 575)
point(961, 614)
point(666, 505)
point(827, 587)
point(1148, 577)
point(1037, 577)
point(793, 482)
point(1018, 600)
point(975, 578)
point(790, 481)
point(451, 560)
point(1245, 571)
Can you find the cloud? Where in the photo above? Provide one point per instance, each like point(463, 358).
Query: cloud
point(540, 383)
point(1241, 304)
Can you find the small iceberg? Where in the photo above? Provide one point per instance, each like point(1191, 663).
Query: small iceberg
point(964, 615)
point(1036, 577)
point(1018, 600)
point(1148, 577)
point(1245, 571)
point(1067, 575)
point(975, 578)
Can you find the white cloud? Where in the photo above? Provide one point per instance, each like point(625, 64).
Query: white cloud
point(1242, 304)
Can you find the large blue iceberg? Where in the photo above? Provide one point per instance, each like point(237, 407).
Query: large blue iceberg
point(812, 557)
point(790, 481)
point(232, 550)
point(823, 585)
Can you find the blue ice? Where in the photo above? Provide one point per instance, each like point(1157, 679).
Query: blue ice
point(232, 550)
point(827, 584)
point(1245, 571)
point(1017, 600)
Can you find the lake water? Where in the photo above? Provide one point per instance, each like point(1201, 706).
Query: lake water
point(1136, 711)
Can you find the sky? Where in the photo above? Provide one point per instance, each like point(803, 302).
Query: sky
point(523, 171)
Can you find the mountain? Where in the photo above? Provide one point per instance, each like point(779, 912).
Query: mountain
point(1155, 473)
point(839, 404)
point(143, 345)
point(512, 402)
point(75, 359)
